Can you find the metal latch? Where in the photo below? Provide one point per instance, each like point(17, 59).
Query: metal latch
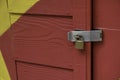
point(79, 37)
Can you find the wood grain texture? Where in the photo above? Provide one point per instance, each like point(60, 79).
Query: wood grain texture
point(27, 71)
point(39, 41)
point(43, 39)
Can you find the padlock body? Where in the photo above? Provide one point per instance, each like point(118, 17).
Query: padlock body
point(79, 44)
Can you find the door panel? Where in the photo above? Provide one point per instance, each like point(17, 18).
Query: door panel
point(43, 39)
point(106, 54)
point(106, 58)
point(39, 45)
point(28, 71)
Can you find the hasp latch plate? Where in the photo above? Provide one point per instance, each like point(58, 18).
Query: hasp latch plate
point(88, 36)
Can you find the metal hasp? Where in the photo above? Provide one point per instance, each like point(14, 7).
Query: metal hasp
point(87, 36)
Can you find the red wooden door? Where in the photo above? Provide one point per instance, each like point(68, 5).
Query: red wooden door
point(36, 46)
point(107, 54)
point(39, 46)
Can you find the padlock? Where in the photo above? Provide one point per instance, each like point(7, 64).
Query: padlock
point(79, 43)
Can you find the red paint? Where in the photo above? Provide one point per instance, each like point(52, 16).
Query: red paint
point(107, 53)
point(5, 47)
point(38, 44)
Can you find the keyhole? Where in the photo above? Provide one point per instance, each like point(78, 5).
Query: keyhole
point(79, 37)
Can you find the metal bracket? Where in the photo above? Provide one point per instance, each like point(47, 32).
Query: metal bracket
point(89, 36)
